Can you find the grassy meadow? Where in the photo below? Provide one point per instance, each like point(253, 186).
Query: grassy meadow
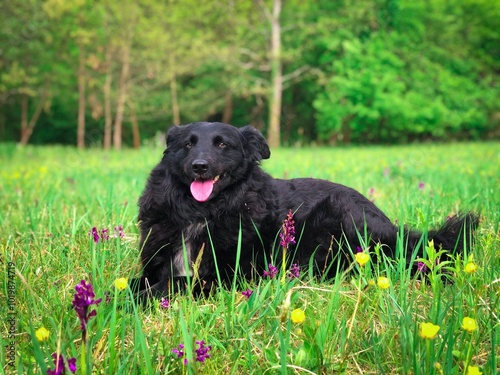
point(52, 197)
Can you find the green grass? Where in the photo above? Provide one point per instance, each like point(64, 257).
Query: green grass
point(51, 197)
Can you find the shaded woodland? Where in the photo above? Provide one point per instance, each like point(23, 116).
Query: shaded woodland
point(113, 74)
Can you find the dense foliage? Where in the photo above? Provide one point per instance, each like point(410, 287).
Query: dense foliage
point(353, 71)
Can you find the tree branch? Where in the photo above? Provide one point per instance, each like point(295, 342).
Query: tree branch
point(17, 91)
point(266, 11)
point(296, 73)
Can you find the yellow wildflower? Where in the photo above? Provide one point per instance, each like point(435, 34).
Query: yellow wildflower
point(470, 267)
point(121, 283)
point(298, 316)
point(362, 258)
point(473, 370)
point(439, 368)
point(469, 324)
point(383, 282)
point(428, 330)
point(42, 334)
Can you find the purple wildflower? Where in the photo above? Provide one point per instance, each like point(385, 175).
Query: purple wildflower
point(107, 294)
point(84, 297)
point(95, 234)
point(202, 351)
point(359, 249)
point(104, 234)
point(421, 267)
point(119, 231)
point(272, 271)
point(247, 293)
point(165, 303)
point(180, 353)
point(294, 271)
point(287, 234)
point(421, 185)
point(60, 364)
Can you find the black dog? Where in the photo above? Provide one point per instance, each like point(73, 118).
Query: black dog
point(209, 189)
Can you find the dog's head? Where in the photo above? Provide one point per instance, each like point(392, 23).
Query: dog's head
point(210, 156)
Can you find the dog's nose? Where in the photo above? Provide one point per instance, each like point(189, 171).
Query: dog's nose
point(200, 166)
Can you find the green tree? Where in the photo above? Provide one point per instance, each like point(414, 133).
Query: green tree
point(404, 78)
point(79, 20)
point(330, 71)
point(24, 63)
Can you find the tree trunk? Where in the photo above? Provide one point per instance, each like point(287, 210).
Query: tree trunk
point(122, 96)
point(276, 77)
point(256, 114)
point(24, 115)
point(227, 115)
point(2, 121)
point(80, 134)
point(136, 136)
point(27, 130)
point(176, 113)
point(108, 117)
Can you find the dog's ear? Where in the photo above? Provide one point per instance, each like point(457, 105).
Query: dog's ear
point(254, 143)
point(173, 135)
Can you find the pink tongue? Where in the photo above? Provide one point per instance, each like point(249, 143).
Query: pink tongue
point(201, 190)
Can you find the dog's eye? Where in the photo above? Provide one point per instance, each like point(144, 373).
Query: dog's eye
point(222, 145)
point(188, 145)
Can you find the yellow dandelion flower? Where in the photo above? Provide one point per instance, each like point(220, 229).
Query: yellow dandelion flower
point(428, 330)
point(362, 258)
point(470, 267)
point(469, 324)
point(383, 282)
point(298, 316)
point(473, 370)
point(121, 283)
point(42, 334)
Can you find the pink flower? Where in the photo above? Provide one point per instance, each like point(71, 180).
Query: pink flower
point(95, 234)
point(247, 293)
point(287, 234)
point(202, 351)
point(83, 299)
point(165, 303)
point(294, 271)
point(180, 353)
point(272, 271)
point(60, 363)
point(422, 267)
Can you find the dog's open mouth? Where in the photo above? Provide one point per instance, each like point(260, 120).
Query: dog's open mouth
point(201, 189)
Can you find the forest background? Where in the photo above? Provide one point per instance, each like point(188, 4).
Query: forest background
point(113, 73)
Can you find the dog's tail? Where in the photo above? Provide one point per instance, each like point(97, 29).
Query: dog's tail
point(456, 234)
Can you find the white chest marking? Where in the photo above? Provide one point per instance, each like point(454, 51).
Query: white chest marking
point(178, 263)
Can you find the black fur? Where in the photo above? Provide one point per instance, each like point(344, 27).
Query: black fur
point(245, 199)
